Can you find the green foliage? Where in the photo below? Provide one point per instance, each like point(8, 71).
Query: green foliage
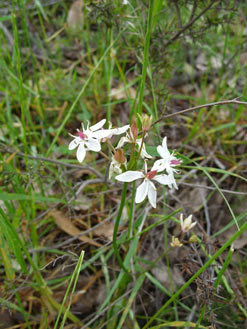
point(51, 80)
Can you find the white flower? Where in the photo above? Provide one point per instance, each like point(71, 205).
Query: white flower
point(115, 167)
point(88, 139)
point(186, 224)
point(130, 139)
point(147, 187)
point(168, 161)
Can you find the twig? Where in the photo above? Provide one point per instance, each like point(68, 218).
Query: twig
point(212, 188)
point(188, 25)
point(69, 165)
point(180, 25)
point(193, 10)
point(233, 101)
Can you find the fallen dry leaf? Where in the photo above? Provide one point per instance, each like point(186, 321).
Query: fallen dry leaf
point(161, 274)
point(65, 224)
point(75, 16)
point(105, 230)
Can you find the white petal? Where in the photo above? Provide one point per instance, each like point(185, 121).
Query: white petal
point(98, 125)
point(81, 152)
point(188, 221)
point(141, 191)
point(145, 167)
point(152, 194)
point(101, 133)
point(144, 153)
point(163, 150)
point(93, 145)
point(164, 179)
point(74, 143)
point(159, 165)
point(119, 131)
point(122, 141)
point(129, 176)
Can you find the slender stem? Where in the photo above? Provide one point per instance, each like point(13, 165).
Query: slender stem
point(114, 241)
point(131, 210)
point(139, 152)
point(104, 155)
point(145, 59)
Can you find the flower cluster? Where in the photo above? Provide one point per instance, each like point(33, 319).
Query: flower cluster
point(162, 170)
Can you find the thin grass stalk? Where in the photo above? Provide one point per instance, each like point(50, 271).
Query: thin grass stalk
point(145, 59)
point(74, 278)
point(116, 226)
point(20, 81)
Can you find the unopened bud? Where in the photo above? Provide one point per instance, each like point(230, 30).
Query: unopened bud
point(193, 239)
point(146, 121)
point(119, 156)
point(175, 242)
point(134, 129)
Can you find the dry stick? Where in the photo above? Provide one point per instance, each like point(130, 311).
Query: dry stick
point(180, 25)
point(213, 188)
point(189, 24)
point(193, 11)
point(58, 162)
point(233, 101)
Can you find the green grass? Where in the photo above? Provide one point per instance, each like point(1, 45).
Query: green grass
point(51, 80)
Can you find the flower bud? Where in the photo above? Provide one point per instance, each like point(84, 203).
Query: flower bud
point(193, 239)
point(134, 129)
point(119, 156)
point(146, 121)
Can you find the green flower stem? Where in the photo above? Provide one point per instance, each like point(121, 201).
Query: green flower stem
point(203, 268)
point(139, 152)
point(145, 59)
point(131, 210)
point(114, 241)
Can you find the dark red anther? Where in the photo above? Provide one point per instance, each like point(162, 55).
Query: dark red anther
point(151, 174)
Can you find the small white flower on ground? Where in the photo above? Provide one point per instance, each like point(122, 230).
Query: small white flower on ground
point(175, 242)
point(186, 224)
point(88, 139)
point(168, 161)
point(147, 187)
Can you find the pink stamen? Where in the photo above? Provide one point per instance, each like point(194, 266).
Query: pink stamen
point(81, 135)
point(151, 174)
point(175, 162)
